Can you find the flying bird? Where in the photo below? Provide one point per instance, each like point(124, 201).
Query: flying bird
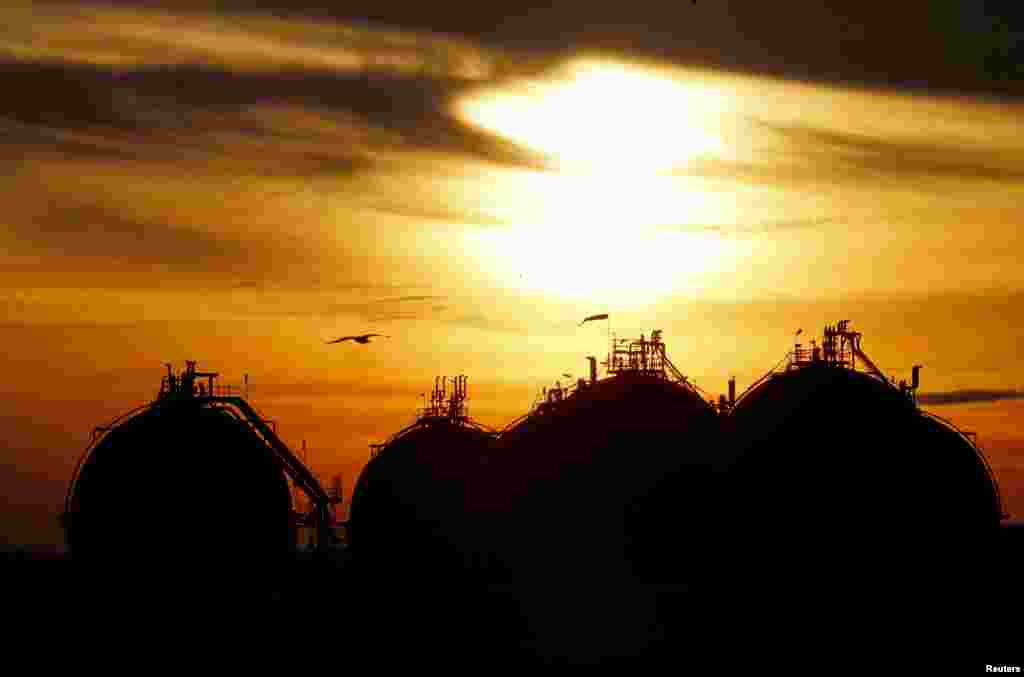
point(362, 338)
point(602, 316)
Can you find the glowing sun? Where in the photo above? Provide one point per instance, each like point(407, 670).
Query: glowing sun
point(607, 222)
point(601, 116)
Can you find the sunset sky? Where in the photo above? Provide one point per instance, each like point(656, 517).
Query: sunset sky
point(234, 183)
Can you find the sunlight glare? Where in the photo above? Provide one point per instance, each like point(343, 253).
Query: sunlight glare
point(613, 220)
point(628, 269)
point(602, 116)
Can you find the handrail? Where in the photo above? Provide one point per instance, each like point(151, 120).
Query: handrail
point(97, 434)
point(293, 466)
point(759, 381)
point(516, 421)
point(464, 422)
point(979, 453)
point(871, 365)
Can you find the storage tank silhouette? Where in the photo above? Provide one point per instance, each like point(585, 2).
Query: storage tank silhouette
point(197, 475)
point(835, 468)
point(410, 507)
point(610, 476)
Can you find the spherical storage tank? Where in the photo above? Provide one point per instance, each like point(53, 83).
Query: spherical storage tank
point(831, 465)
point(409, 507)
point(612, 477)
point(180, 480)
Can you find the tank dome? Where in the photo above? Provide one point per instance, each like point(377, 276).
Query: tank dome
point(178, 481)
point(832, 466)
point(823, 441)
point(954, 486)
point(410, 502)
point(197, 477)
point(611, 474)
point(817, 442)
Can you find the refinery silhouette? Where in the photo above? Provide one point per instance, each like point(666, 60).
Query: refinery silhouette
point(618, 515)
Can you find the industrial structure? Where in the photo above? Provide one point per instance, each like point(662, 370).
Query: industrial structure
point(634, 473)
point(822, 487)
point(605, 475)
point(413, 500)
point(196, 474)
point(834, 464)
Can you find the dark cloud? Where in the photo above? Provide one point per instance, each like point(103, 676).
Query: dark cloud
point(968, 396)
point(20, 137)
point(972, 45)
point(186, 106)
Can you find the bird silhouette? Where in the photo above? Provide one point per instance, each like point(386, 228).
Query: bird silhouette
point(362, 338)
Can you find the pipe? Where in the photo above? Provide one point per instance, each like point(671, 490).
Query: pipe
point(593, 369)
point(916, 378)
point(732, 392)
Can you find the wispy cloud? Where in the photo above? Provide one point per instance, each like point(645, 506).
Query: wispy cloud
point(421, 297)
point(777, 226)
point(812, 153)
point(402, 393)
point(410, 307)
point(311, 121)
point(968, 396)
point(82, 234)
point(496, 324)
point(125, 36)
point(885, 157)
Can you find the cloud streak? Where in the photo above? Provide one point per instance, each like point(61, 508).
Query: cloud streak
point(968, 396)
point(316, 120)
point(130, 36)
point(814, 153)
point(410, 307)
point(853, 155)
point(957, 45)
point(84, 235)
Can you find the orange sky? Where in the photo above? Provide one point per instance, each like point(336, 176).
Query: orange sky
point(235, 190)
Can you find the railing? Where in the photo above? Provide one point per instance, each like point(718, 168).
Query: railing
point(292, 466)
point(97, 434)
point(459, 412)
point(377, 447)
point(764, 377)
point(800, 356)
point(227, 391)
point(642, 357)
point(972, 439)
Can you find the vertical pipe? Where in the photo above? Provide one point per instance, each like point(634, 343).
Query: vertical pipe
point(732, 392)
point(323, 529)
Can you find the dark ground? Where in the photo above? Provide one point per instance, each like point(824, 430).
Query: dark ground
point(951, 620)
